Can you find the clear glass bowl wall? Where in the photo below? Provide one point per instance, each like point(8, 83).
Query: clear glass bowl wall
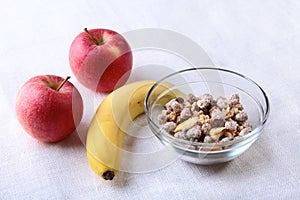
point(218, 82)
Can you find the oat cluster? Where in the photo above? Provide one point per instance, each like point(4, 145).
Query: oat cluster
point(204, 119)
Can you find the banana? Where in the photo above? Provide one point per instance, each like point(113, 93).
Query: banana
point(113, 116)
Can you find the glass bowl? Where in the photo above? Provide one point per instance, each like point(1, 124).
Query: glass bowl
point(218, 82)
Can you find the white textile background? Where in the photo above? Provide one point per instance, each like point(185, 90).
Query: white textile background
point(260, 39)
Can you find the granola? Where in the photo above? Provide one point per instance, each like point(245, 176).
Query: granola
point(205, 119)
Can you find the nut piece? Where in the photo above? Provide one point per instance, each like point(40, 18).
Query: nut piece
point(245, 131)
point(194, 133)
point(231, 125)
point(190, 98)
point(171, 116)
point(174, 106)
point(187, 104)
point(169, 127)
point(180, 135)
point(187, 124)
point(204, 119)
point(168, 105)
point(207, 98)
point(179, 100)
point(216, 133)
point(239, 128)
point(218, 117)
point(208, 139)
point(205, 128)
point(195, 107)
point(234, 99)
point(230, 112)
point(165, 112)
point(185, 113)
point(213, 103)
point(179, 120)
point(222, 102)
point(228, 135)
point(202, 104)
point(246, 125)
point(241, 117)
point(162, 119)
point(239, 106)
point(216, 113)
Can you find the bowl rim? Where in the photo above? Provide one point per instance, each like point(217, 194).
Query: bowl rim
point(163, 133)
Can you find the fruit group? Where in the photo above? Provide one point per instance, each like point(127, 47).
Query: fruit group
point(101, 59)
point(49, 107)
point(108, 127)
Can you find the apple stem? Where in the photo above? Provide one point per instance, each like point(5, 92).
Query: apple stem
point(62, 83)
point(91, 36)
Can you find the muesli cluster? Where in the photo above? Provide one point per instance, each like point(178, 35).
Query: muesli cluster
point(204, 119)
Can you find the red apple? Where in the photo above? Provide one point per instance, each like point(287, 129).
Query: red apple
point(101, 59)
point(48, 107)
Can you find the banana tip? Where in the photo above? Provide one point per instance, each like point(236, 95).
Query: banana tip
point(108, 175)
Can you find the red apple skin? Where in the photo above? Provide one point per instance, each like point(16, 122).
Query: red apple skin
point(103, 67)
point(46, 114)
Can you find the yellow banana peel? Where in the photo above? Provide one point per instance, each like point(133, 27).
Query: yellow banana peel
point(109, 124)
